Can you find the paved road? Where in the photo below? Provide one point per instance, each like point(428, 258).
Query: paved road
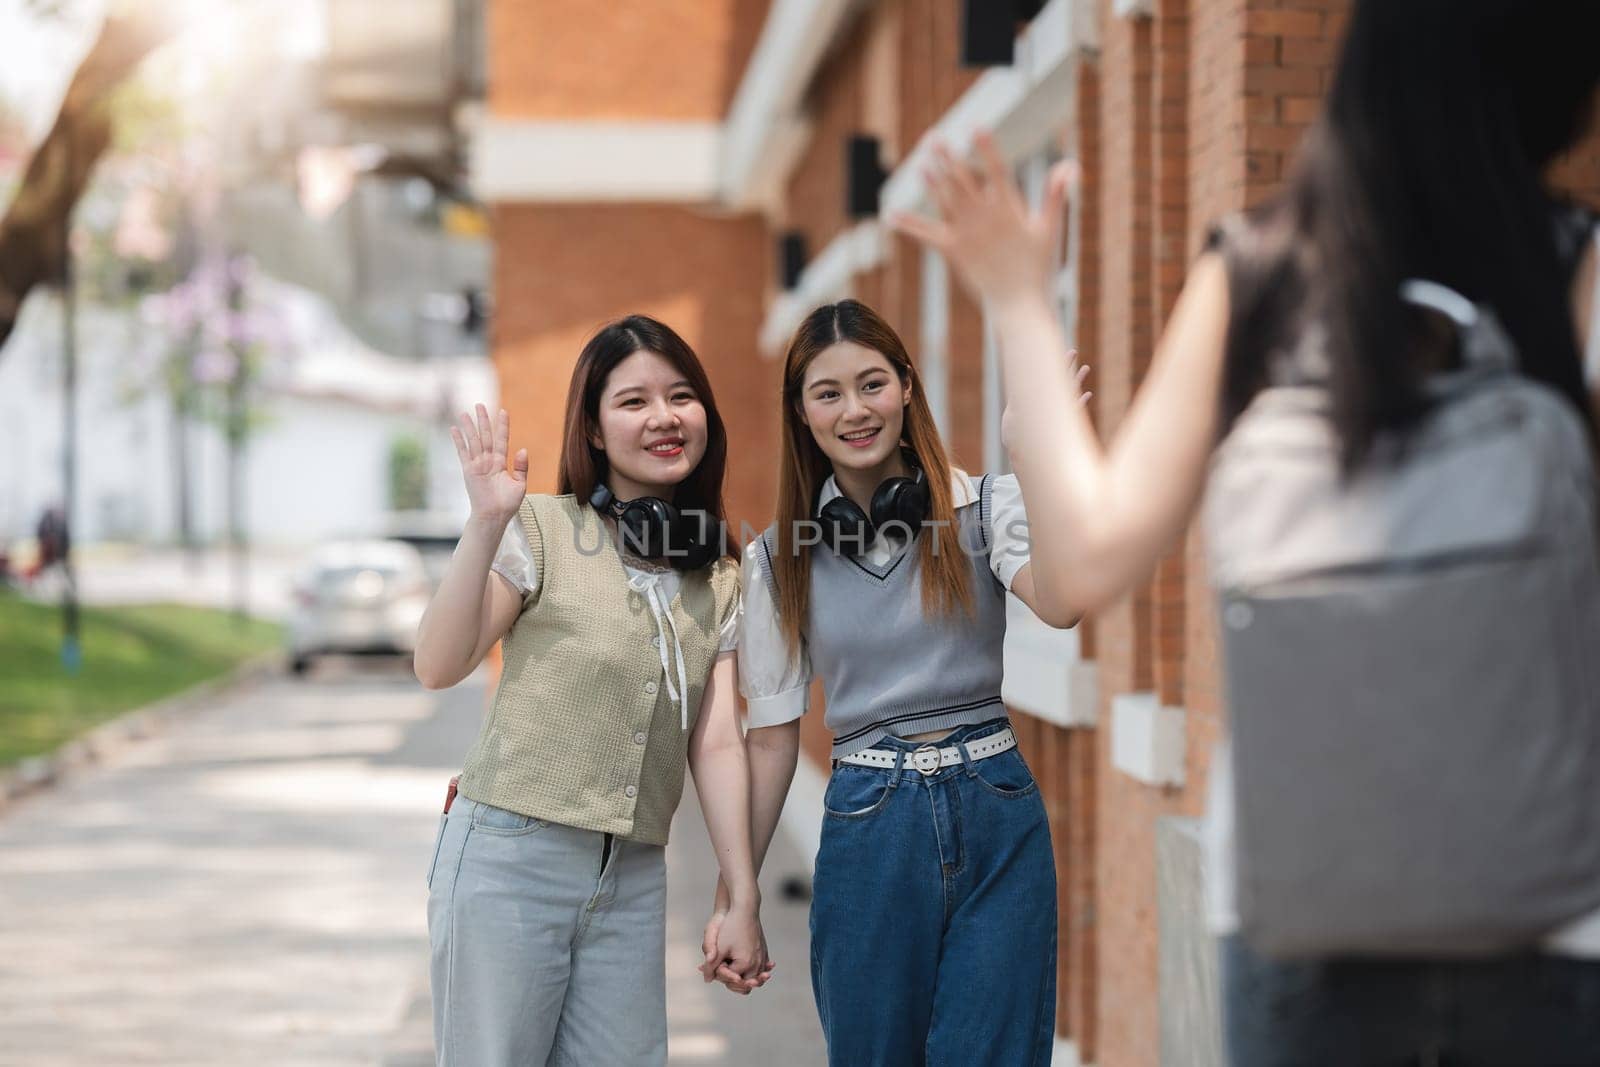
point(248, 889)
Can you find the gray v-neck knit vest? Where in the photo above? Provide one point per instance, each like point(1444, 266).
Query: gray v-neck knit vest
point(888, 669)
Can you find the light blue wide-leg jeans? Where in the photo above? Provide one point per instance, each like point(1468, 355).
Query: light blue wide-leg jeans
point(541, 953)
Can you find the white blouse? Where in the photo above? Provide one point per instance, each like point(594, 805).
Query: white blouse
point(776, 687)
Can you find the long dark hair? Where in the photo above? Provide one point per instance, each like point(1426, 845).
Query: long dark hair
point(583, 466)
point(1427, 162)
point(946, 581)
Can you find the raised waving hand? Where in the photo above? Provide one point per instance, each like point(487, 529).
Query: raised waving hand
point(492, 489)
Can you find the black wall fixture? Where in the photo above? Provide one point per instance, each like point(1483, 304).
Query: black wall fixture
point(791, 258)
point(989, 30)
point(864, 176)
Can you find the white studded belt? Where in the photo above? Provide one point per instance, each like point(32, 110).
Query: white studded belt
point(933, 757)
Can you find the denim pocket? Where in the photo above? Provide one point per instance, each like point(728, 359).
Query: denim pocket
point(492, 820)
point(1005, 775)
point(438, 841)
point(855, 792)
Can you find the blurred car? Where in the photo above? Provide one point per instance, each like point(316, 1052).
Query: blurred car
point(433, 533)
point(358, 597)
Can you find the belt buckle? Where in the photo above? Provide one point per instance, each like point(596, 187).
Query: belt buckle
point(926, 759)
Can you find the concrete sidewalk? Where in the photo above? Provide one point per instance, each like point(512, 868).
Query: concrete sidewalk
point(247, 888)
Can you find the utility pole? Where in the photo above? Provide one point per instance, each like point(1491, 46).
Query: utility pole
point(236, 421)
point(71, 647)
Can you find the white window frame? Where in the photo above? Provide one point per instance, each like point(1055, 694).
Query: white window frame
point(935, 338)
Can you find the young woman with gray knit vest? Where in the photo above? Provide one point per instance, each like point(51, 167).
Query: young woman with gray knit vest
point(618, 609)
point(933, 917)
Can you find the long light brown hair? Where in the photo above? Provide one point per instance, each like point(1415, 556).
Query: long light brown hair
point(583, 466)
point(946, 576)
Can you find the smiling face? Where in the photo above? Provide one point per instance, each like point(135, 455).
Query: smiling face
point(651, 426)
point(854, 403)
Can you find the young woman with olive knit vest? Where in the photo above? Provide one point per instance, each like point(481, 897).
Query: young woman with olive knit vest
point(618, 611)
point(933, 918)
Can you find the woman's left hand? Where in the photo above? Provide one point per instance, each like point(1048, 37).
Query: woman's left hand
point(736, 950)
point(997, 245)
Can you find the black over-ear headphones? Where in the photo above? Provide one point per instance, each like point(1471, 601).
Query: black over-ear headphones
point(652, 529)
point(903, 501)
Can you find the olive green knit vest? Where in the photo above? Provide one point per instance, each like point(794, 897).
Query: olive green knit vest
point(583, 731)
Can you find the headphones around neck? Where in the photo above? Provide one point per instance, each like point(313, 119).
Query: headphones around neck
point(905, 502)
point(652, 529)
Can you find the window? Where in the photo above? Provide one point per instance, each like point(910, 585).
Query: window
point(1032, 173)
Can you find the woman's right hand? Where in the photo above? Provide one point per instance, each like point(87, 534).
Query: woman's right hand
point(494, 492)
point(998, 246)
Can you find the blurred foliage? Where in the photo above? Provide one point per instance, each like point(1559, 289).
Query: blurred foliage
point(146, 118)
point(408, 474)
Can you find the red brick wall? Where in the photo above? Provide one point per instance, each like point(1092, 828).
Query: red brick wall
point(1202, 105)
point(1169, 256)
point(1124, 918)
point(662, 60)
point(561, 271)
point(1070, 782)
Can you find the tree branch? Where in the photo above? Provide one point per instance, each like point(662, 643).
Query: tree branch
point(33, 231)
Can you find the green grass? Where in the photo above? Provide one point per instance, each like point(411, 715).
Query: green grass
point(132, 656)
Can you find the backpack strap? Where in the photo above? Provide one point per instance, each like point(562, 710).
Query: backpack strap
point(1591, 357)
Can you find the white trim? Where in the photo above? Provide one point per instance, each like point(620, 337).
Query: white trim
point(1023, 105)
point(765, 131)
point(1086, 25)
point(935, 338)
point(826, 278)
point(1045, 674)
point(1065, 1054)
point(995, 458)
point(1147, 739)
point(801, 819)
point(529, 160)
point(1133, 9)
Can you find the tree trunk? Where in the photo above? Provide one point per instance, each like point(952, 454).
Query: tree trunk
point(32, 242)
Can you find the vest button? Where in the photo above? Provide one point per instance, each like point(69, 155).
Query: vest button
point(631, 791)
point(656, 640)
point(638, 738)
point(650, 688)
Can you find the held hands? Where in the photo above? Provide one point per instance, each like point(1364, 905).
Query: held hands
point(735, 948)
point(998, 246)
point(494, 492)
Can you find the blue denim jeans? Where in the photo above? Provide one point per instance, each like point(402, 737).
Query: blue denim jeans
point(1518, 1011)
point(933, 915)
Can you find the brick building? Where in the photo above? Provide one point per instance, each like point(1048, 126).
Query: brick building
point(712, 162)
